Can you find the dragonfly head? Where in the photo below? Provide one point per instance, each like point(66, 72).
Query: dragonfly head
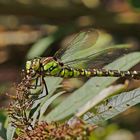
point(32, 66)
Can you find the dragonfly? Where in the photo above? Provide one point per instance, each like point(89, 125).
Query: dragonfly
point(65, 61)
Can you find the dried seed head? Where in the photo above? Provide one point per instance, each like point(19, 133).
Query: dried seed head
point(57, 131)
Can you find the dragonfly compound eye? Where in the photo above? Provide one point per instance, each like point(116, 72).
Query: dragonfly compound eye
point(35, 64)
point(28, 65)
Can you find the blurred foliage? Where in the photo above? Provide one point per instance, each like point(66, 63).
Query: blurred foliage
point(30, 28)
point(3, 124)
point(135, 4)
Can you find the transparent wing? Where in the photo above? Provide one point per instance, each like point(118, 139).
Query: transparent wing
point(101, 56)
point(83, 41)
point(83, 49)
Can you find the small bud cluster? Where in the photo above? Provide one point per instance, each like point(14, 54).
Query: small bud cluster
point(55, 131)
point(20, 104)
point(19, 113)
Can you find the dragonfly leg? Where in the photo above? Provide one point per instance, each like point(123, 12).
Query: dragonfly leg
point(36, 84)
point(44, 83)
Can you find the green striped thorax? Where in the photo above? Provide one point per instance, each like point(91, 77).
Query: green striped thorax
point(46, 65)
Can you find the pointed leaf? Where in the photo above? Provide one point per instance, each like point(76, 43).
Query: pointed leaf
point(10, 132)
point(113, 107)
point(90, 88)
point(98, 98)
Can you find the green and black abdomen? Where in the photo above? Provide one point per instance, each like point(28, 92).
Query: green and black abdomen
point(73, 72)
point(115, 73)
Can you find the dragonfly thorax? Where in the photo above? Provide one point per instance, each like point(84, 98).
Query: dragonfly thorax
point(49, 63)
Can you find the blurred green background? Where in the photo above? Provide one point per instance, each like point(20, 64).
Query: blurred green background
point(30, 28)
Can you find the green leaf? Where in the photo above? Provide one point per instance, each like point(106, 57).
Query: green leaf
point(115, 105)
point(10, 132)
point(38, 104)
point(42, 108)
point(90, 88)
point(52, 84)
point(135, 4)
point(99, 98)
point(39, 48)
point(3, 123)
point(45, 105)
